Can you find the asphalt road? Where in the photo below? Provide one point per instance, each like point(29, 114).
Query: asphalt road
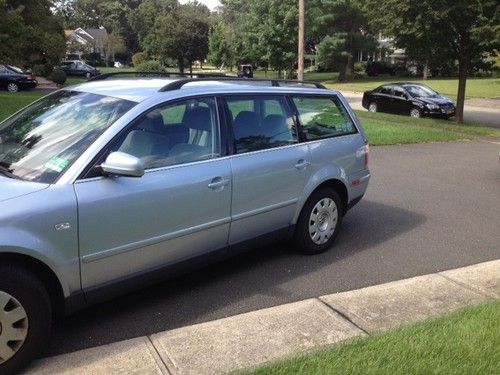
point(429, 208)
point(472, 114)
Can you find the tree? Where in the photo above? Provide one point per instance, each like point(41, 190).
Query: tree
point(169, 30)
point(30, 32)
point(221, 45)
point(345, 24)
point(454, 30)
point(112, 45)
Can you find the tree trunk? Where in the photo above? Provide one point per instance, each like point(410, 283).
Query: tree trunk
point(191, 68)
point(201, 64)
point(349, 68)
point(462, 80)
point(426, 70)
point(180, 64)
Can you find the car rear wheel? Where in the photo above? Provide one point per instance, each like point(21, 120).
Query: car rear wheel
point(319, 222)
point(25, 318)
point(372, 107)
point(88, 75)
point(416, 113)
point(12, 87)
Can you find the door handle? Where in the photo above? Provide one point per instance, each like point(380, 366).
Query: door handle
point(302, 164)
point(218, 183)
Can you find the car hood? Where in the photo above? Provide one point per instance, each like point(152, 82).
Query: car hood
point(10, 188)
point(439, 100)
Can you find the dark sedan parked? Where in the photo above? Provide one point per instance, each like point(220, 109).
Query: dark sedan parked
point(411, 99)
point(78, 68)
point(14, 79)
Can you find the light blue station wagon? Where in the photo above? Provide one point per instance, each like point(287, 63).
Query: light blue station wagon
point(111, 184)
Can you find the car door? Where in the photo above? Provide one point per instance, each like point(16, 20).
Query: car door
point(383, 98)
point(269, 166)
point(400, 102)
point(180, 207)
point(4, 75)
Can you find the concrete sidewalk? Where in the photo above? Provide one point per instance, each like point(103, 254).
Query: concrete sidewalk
point(253, 338)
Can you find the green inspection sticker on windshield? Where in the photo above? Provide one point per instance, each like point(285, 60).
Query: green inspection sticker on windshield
point(57, 164)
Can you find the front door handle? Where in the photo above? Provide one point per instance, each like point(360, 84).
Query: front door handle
point(218, 183)
point(302, 164)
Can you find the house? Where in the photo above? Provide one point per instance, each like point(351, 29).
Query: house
point(86, 41)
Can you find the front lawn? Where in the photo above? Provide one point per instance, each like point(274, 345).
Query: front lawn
point(476, 87)
point(12, 102)
point(465, 342)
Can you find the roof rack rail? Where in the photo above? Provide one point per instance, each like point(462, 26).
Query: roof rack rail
point(104, 76)
point(176, 85)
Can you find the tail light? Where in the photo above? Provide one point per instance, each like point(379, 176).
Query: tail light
point(363, 152)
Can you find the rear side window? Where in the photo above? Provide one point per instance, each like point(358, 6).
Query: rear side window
point(323, 117)
point(260, 122)
point(387, 90)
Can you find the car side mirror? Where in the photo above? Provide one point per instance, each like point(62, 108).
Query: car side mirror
point(122, 164)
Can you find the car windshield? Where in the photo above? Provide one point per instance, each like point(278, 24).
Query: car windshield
point(419, 91)
point(43, 140)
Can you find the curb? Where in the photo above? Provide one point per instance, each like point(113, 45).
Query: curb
point(253, 338)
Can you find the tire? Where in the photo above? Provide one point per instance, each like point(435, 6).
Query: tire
point(372, 107)
point(315, 236)
point(415, 112)
point(88, 75)
point(21, 291)
point(12, 87)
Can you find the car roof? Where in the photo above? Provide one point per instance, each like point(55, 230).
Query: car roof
point(140, 89)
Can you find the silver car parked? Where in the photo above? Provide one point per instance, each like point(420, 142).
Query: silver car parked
point(109, 185)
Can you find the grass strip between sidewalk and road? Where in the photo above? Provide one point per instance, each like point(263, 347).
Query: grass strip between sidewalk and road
point(464, 342)
point(381, 128)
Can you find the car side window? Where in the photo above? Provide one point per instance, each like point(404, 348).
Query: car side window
point(172, 134)
point(387, 90)
point(323, 117)
point(399, 92)
point(260, 122)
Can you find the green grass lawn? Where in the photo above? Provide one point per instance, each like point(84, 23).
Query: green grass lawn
point(11, 102)
point(465, 342)
point(387, 129)
point(476, 87)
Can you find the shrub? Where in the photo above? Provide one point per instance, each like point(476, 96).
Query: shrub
point(139, 58)
point(150, 66)
point(58, 76)
point(42, 70)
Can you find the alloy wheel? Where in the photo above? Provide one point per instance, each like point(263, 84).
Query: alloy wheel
point(415, 113)
point(12, 87)
point(372, 107)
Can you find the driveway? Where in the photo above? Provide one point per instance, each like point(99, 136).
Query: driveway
point(476, 111)
point(429, 208)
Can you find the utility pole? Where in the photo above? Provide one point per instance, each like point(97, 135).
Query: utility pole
point(300, 71)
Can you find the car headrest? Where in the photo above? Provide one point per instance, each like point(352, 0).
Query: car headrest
point(198, 118)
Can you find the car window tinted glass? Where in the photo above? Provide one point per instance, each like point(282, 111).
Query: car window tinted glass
point(385, 90)
point(323, 117)
point(419, 91)
point(43, 140)
point(172, 134)
point(260, 122)
point(399, 92)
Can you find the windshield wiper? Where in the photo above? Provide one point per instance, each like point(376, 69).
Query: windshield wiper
point(8, 172)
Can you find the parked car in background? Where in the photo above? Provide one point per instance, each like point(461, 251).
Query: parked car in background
point(14, 79)
point(408, 98)
point(78, 68)
point(111, 184)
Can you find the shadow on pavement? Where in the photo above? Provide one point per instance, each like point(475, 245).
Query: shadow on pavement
point(240, 284)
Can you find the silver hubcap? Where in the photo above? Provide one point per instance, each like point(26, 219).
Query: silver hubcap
point(13, 326)
point(12, 87)
point(415, 113)
point(323, 221)
point(372, 107)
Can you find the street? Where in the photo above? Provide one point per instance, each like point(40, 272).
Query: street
point(430, 207)
point(484, 112)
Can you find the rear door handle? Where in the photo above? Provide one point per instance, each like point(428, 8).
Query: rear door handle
point(302, 164)
point(218, 183)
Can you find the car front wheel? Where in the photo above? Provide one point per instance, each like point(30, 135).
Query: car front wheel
point(372, 107)
point(12, 87)
point(416, 113)
point(25, 318)
point(319, 222)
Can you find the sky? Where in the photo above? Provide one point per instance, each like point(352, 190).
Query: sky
point(209, 3)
